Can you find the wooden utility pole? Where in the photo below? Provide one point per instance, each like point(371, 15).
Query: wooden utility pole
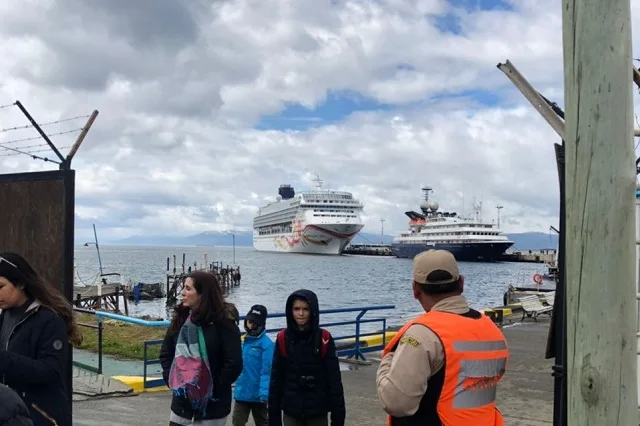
point(600, 204)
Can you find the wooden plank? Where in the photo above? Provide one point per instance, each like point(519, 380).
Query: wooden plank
point(600, 193)
point(92, 291)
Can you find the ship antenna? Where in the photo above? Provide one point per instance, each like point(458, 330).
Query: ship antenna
point(427, 190)
point(318, 181)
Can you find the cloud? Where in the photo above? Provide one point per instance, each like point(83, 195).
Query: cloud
point(206, 107)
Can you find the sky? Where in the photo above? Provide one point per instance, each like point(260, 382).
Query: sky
point(206, 107)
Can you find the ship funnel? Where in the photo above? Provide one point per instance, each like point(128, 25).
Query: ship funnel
point(286, 192)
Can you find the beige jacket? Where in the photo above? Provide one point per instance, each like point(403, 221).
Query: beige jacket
point(402, 375)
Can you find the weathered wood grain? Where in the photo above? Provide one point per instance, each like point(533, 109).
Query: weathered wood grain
point(32, 224)
point(600, 194)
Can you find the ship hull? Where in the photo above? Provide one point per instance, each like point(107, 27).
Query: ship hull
point(312, 239)
point(464, 252)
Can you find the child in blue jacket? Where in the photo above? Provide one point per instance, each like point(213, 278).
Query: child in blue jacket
point(252, 387)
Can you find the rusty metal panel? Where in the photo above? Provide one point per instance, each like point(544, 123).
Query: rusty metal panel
point(37, 221)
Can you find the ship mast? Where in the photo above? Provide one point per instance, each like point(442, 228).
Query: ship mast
point(318, 182)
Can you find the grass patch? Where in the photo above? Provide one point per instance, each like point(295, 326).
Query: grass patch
point(120, 340)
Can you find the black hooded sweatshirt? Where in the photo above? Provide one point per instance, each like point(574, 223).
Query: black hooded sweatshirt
point(304, 385)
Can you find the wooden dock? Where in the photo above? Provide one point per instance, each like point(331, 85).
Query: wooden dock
point(369, 250)
point(228, 276)
point(530, 256)
point(105, 297)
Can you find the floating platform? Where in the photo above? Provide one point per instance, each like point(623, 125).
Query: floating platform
point(104, 297)
point(531, 256)
point(369, 250)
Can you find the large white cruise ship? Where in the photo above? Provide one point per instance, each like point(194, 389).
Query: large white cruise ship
point(316, 221)
point(468, 239)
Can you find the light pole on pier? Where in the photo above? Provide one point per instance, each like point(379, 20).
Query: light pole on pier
point(95, 236)
point(382, 219)
point(233, 236)
point(499, 207)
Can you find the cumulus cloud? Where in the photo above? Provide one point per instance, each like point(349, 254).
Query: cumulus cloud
point(184, 90)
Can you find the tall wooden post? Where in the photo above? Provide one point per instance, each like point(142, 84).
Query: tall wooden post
point(600, 194)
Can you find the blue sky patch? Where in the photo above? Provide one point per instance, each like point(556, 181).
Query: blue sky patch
point(475, 5)
point(337, 107)
point(450, 23)
point(482, 97)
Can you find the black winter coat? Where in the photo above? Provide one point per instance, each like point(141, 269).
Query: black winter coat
point(13, 412)
point(304, 385)
point(35, 364)
point(224, 350)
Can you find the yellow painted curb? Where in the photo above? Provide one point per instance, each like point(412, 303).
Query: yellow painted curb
point(505, 311)
point(368, 341)
point(135, 383)
point(377, 339)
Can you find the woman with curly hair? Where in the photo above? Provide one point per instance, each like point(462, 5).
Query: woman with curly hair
point(201, 355)
point(37, 328)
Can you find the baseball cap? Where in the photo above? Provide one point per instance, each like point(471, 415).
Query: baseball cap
point(435, 268)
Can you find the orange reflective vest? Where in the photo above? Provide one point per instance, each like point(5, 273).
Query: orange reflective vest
point(475, 360)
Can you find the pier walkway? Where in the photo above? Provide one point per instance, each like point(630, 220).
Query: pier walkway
point(525, 396)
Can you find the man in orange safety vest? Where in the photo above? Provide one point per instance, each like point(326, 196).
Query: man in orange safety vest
point(442, 368)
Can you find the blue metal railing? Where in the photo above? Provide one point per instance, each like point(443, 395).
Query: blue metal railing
point(100, 329)
point(356, 348)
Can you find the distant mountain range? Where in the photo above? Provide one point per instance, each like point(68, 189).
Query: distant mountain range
point(523, 241)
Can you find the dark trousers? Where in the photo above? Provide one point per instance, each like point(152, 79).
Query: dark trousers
point(241, 411)
point(318, 421)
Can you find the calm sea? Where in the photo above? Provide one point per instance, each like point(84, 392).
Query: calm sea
point(268, 278)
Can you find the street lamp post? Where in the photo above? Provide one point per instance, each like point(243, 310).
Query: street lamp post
point(233, 236)
point(95, 236)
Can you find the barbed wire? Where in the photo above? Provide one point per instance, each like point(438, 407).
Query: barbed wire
point(20, 145)
point(33, 138)
point(27, 126)
point(31, 153)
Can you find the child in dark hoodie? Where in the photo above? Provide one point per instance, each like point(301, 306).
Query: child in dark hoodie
point(306, 383)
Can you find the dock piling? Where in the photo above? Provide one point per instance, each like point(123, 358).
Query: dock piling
point(228, 277)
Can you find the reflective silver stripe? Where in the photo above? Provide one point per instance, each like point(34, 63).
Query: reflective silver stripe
point(480, 390)
point(479, 346)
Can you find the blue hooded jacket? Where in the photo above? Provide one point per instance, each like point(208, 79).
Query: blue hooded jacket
point(253, 383)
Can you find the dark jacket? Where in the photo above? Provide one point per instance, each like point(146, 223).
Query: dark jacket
point(304, 385)
point(36, 365)
point(13, 412)
point(224, 350)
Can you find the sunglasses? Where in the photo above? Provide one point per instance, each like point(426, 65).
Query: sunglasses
point(2, 259)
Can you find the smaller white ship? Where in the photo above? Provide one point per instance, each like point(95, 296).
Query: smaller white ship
point(468, 239)
point(316, 221)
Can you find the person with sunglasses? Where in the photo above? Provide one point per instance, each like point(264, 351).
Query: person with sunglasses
point(37, 326)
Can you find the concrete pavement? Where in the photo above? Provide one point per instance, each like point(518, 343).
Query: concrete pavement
point(525, 396)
